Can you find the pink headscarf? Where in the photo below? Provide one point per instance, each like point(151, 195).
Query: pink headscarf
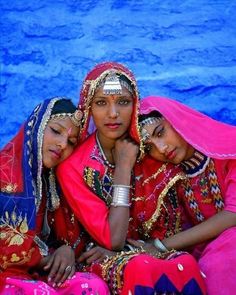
point(212, 138)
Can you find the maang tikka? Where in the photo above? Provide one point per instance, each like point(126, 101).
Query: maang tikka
point(112, 85)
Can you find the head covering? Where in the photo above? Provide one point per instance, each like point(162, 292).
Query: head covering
point(213, 138)
point(93, 81)
point(21, 167)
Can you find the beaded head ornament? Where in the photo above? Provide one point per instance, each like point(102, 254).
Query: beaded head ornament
point(75, 117)
point(112, 76)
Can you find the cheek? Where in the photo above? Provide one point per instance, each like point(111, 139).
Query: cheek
point(67, 152)
point(155, 154)
point(127, 114)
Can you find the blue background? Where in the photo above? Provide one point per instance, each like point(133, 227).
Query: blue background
point(182, 49)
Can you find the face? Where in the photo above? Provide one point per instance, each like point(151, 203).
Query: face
point(112, 113)
point(60, 139)
point(165, 144)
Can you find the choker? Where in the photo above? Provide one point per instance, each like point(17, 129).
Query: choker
point(195, 165)
point(103, 154)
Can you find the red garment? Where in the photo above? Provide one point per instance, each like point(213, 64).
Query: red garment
point(145, 274)
point(155, 210)
point(209, 187)
point(86, 180)
point(23, 201)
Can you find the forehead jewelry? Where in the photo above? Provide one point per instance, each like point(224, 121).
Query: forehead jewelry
point(75, 117)
point(147, 122)
point(112, 85)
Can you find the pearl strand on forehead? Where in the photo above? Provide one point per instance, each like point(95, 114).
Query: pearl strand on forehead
point(103, 154)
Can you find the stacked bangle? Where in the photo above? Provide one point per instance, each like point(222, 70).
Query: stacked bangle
point(120, 195)
point(160, 246)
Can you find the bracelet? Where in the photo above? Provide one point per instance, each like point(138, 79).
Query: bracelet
point(120, 196)
point(160, 246)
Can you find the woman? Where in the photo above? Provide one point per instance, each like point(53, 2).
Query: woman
point(205, 150)
point(98, 183)
point(39, 236)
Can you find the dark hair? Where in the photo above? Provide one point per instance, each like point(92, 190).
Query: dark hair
point(152, 114)
point(63, 105)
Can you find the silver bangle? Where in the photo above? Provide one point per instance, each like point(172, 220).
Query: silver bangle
point(160, 246)
point(120, 196)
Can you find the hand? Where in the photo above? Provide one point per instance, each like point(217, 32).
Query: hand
point(125, 152)
point(60, 265)
point(147, 246)
point(96, 254)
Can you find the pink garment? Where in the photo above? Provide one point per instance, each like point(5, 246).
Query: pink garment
point(80, 283)
point(218, 263)
point(217, 141)
point(214, 139)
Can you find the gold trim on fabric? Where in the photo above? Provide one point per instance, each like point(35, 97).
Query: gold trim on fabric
point(149, 223)
point(154, 176)
point(43, 124)
point(15, 259)
point(9, 188)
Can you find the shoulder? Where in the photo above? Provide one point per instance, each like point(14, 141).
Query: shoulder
point(81, 156)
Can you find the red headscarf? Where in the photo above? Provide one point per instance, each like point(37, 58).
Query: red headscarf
point(91, 83)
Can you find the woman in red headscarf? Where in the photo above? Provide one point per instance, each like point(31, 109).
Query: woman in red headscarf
point(39, 235)
point(98, 182)
point(205, 151)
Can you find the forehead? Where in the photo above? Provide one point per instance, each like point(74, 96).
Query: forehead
point(65, 124)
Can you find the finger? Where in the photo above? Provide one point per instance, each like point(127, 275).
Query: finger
point(135, 243)
point(49, 263)
point(84, 256)
point(68, 274)
point(54, 269)
point(60, 273)
point(93, 258)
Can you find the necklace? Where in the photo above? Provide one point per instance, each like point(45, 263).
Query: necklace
point(103, 154)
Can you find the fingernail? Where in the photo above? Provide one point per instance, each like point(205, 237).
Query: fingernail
point(59, 284)
point(49, 279)
point(54, 284)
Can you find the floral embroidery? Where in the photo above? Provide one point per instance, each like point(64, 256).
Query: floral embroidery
point(15, 228)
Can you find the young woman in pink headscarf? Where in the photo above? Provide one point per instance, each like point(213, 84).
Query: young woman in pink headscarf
point(205, 150)
point(98, 183)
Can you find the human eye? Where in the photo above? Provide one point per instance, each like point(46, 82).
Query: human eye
point(159, 131)
point(72, 142)
point(99, 102)
point(55, 130)
point(124, 101)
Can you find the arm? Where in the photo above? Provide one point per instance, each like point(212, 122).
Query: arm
point(215, 225)
point(125, 156)
point(202, 232)
point(107, 227)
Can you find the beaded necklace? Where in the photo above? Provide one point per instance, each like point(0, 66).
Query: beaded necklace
point(112, 166)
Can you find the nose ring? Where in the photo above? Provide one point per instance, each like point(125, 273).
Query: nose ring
point(117, 114)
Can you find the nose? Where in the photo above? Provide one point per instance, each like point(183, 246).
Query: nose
point(62, 143)
point(113, 112)
point(161, 146)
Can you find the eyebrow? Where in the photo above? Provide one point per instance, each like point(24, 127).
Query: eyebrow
point(153, 133)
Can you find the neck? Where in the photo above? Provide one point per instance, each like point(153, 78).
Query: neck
point(107, 146)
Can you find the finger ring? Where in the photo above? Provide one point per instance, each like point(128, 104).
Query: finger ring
point(68, 268)
point(106, 258)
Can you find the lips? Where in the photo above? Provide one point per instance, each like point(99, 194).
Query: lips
point(171, 155)
point(113, 125)
point(56, 154)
